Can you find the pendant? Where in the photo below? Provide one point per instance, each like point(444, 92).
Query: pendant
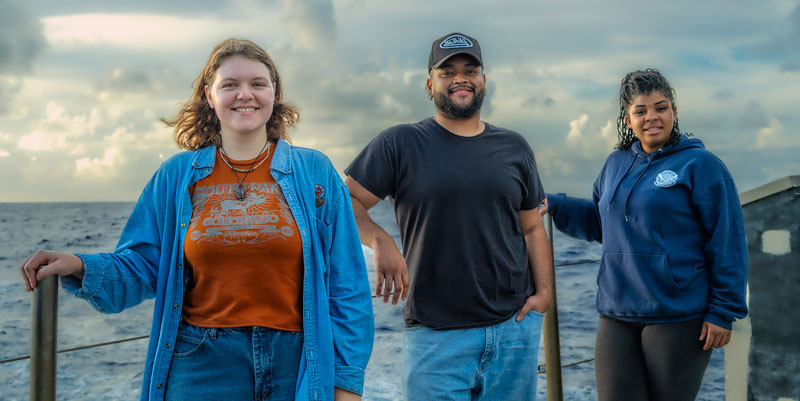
point(240, 192)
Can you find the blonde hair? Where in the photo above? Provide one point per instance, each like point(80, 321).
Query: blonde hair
point(196, 124)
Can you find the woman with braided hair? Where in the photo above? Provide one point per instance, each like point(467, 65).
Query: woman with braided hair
point(674, 267)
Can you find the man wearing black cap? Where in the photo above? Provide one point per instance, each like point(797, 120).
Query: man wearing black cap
point(465, 194)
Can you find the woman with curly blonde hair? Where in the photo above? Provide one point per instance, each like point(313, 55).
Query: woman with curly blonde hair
point(249, 246)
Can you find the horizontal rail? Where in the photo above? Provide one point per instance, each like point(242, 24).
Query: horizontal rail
point(80, 348)
point(542, 368)
point(578, 263)
point(20, 358)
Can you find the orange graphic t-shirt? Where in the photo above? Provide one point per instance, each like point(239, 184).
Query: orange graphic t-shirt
point(245, 256)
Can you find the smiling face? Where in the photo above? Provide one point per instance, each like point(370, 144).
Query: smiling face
point(458, 87)
point(651, 118)
point(242, 95)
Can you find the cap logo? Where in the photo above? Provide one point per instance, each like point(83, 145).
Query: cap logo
point(454, 42)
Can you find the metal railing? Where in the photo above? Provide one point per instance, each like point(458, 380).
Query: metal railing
point(552, 342)
point(44, 315)
point(44, 325)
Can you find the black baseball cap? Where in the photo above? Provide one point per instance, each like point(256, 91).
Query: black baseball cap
point(451, 44)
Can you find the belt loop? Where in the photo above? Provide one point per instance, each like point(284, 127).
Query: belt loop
point(212, 333)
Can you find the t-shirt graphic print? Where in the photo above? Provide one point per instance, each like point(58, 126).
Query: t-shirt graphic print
point(262, 216)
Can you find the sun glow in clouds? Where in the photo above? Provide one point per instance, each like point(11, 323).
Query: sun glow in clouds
point(142, 31)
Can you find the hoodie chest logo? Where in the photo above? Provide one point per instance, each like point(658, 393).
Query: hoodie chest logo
point(666, 178)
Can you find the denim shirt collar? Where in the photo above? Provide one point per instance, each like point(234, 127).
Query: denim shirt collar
point(281, 160)
point(204, 158)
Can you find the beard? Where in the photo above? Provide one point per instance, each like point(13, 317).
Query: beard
point(455, 112)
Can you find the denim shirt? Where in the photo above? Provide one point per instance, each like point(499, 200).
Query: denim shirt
point(338, 322)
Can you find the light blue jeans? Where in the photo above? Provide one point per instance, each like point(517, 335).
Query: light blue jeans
point(487, 363)
point(232, 364)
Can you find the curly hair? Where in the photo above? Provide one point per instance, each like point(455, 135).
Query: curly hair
point(642, 83)
point(196, 124)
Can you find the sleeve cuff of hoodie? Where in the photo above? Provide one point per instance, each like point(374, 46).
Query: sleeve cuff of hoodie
point(714, 318)
point(349, 378)
point(553, 201)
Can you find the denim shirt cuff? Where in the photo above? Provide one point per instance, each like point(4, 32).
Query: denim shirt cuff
point(93, 267)
point(349, 378)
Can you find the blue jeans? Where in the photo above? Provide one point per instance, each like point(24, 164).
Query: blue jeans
point(487, 363)
point(231, 364)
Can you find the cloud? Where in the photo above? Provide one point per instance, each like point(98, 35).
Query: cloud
point(121, 30)
point(356, 67)
point(57, 128)
point(783, 49)
point(753, 116)
point(794, 41)
point(609, 132)
point(9, 88)
point(100, 168)
point(312, 23)
point(127, 80)
point(153, 32)
point(60, 7)
point(771, 136)
point(576, 127)
point(535, 101)
point(590, 143)
point(21, 39)
point(21, 42)
point(791, 66)
point(39, 140)
point(722, 94)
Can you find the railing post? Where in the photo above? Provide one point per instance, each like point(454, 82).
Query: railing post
point(552, 344)
point(44, 318)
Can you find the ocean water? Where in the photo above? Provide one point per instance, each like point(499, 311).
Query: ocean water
point(114, 372)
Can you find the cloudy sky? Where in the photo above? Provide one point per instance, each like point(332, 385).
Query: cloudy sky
point(82, 86)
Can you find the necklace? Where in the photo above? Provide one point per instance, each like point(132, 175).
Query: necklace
point(242, 170)
point(240, 192)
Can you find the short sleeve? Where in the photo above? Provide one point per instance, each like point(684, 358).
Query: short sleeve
point(375, 167)
point(535, 192)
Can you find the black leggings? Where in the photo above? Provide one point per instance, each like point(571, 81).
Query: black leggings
point(649, 362)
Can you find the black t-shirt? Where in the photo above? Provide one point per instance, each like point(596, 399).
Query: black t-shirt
point(457, 201)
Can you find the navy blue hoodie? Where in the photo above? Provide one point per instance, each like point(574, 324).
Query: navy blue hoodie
point(672, 232)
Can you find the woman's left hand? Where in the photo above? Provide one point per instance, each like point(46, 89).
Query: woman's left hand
point(344, 395)
point(543, 207)
point(715, 336)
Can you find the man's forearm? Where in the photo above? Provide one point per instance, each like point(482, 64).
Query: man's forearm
point(368, 231)
point(540, 259)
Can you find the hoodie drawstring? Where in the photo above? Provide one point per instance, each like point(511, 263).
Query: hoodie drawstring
point(616, 187)
point(650, 158)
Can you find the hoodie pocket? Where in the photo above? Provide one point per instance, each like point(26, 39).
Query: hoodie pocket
point(636, 284)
